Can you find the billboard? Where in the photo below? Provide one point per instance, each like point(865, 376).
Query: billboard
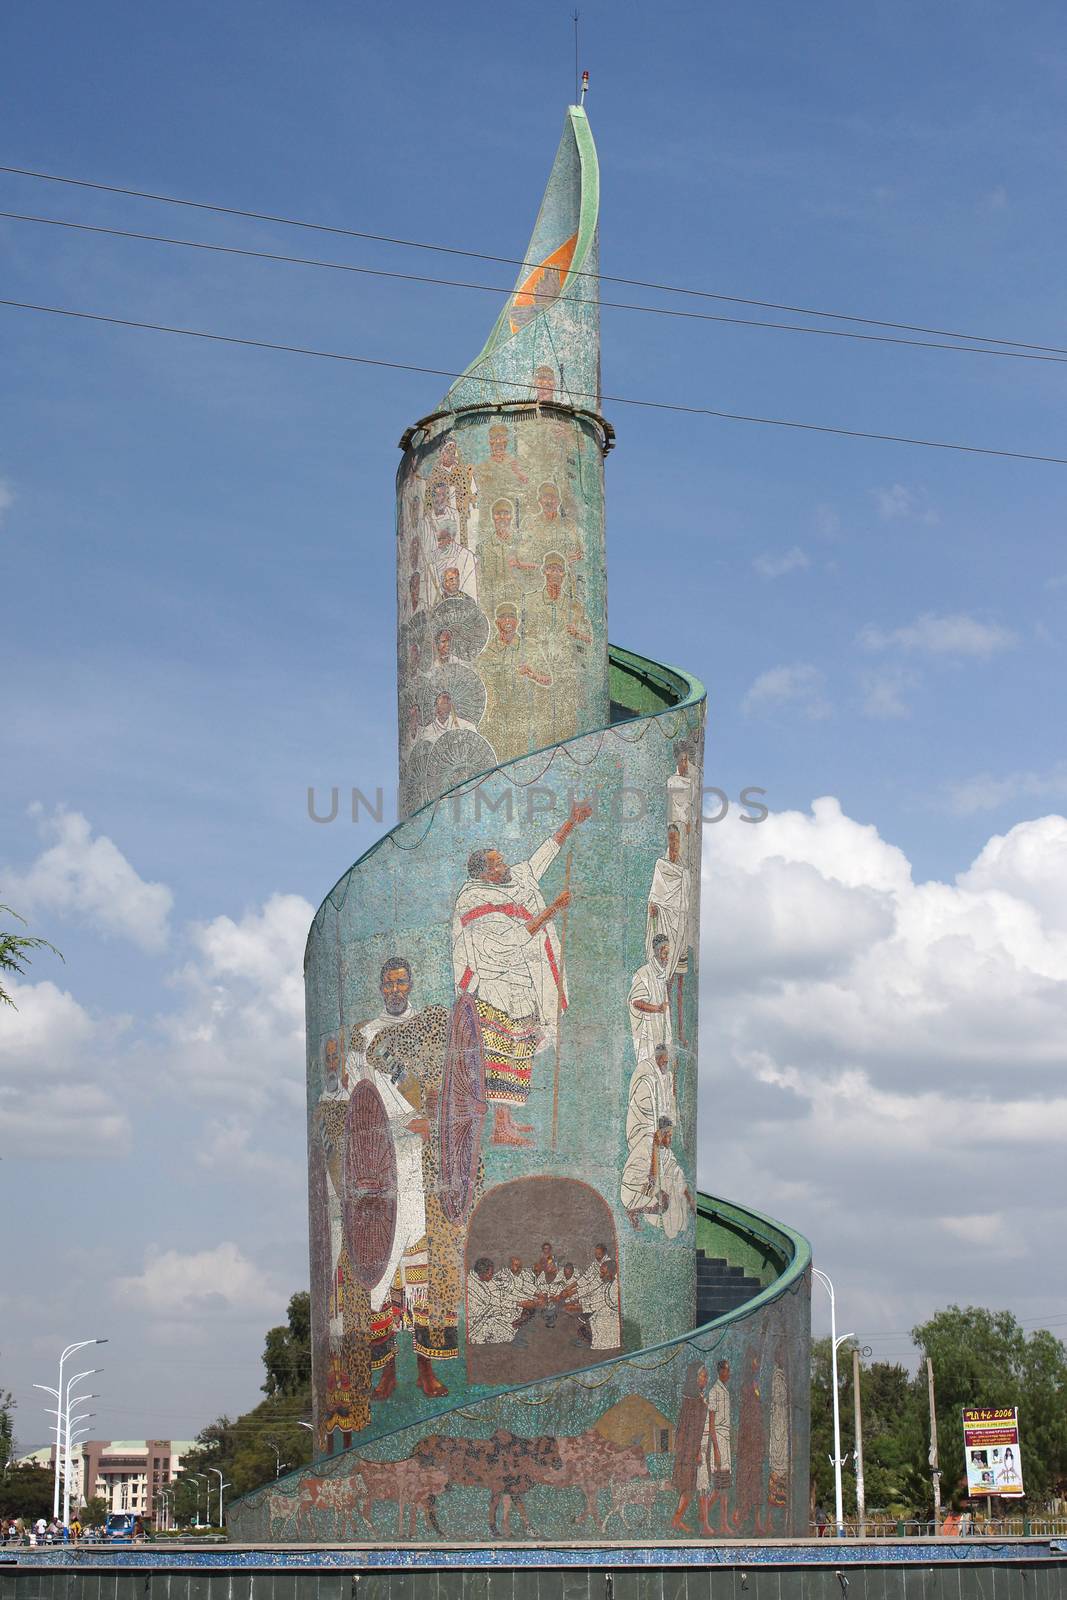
point(991, 1450)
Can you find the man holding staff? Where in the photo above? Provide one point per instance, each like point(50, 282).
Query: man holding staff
point(507, 956)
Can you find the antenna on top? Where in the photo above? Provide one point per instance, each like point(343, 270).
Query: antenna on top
point(576, 101)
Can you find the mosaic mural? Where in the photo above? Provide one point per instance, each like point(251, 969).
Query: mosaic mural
point(502, 1020)
point(706, 1437)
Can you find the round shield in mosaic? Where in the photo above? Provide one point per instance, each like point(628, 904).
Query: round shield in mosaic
point(462, 1111)
point(369, 1212)
point(457, 756)
point(463, 619)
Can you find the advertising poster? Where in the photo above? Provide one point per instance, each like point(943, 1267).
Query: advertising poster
point(991, 1450)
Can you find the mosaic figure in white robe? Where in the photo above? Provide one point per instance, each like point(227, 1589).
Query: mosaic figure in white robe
point(600, 1310)
point(487, 1320)
point(650, 1014)
point(507, 956)
point(669, 901)
point(653, 1184)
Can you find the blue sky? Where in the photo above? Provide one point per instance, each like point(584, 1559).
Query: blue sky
point(197, 556)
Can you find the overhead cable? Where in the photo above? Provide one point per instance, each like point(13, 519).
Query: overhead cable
point(516, 261)
point(496, 384)
point(492, 288)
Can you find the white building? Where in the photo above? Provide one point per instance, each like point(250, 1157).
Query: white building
point(126, 1473)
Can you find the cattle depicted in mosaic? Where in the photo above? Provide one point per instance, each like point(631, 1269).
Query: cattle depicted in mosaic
point(703, 1459)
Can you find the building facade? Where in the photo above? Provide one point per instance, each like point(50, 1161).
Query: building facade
point(127, 1474)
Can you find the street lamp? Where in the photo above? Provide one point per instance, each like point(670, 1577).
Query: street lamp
point(222, 1486)
point(278, 1462)
point(68, 1462)
point(194, 1479)
point(57, 1394)
point(72, 1439)
point(835, 1343)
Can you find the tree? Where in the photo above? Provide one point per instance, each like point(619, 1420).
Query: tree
point(7, 1428)
point(892, 1435)
point(15, 950)
point(287, 1356)
point(94, 1512)
point(26, 1492)
point(984, 1358)
point(248, 1449)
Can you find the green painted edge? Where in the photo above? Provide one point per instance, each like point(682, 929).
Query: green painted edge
point(588, 214)
point(707, 1206)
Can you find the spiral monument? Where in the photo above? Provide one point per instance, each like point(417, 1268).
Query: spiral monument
point(526, 1322)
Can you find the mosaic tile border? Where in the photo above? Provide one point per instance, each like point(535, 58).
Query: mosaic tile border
point(786, 1553)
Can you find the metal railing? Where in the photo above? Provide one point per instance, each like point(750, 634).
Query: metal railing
point(964, 1527)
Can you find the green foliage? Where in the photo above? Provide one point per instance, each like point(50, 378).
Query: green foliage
point(94, 1512)
point(287, 1356)
point(26, 1492)
point(980, 1358)
point(15, 949)
point(892, 1435)
point(7, 1428)
point(248, 1449)
point(984, 1358)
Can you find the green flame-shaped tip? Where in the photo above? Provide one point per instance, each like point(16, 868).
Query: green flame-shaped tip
point(552, 318)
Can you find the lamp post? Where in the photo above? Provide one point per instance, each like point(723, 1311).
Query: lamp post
point(835, 1343)
point(222, 1486)
point(278, 1462)
point(72, 1439)
point(194, 1479)
point(57, 1393)
point(68, 1459)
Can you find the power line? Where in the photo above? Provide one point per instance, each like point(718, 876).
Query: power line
point(516, 261)
point(492, 288)
point(498, 383)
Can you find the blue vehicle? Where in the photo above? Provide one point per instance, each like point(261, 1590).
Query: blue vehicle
point(122, 1527)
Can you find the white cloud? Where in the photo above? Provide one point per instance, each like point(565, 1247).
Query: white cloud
point(239, 1033)
point(955, 635)
point(995, 199)
point(89, 878)
point(799, 686)
point(228, 1147)
point(7, 498)
point(899, 503)
point(987, 1233)
point(200, 1284)
point(1030, 864)
point(884, 691)
point(985, 792)
point(888, 1056)
point(776, 566)
point(59, 1094)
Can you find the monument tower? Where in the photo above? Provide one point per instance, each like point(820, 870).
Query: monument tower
point(502, 1008)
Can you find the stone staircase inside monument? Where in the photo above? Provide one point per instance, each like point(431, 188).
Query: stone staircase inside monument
point(721, 1287)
